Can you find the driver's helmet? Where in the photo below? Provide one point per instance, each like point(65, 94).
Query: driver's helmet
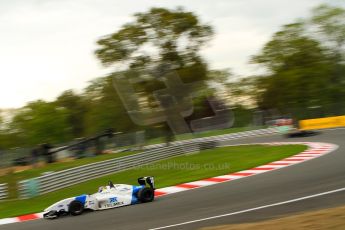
point(101, 189)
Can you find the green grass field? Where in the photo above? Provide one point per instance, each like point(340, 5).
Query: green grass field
point(168, 172)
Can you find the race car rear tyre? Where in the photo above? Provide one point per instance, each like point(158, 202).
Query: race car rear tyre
point(146, 195)
point(76, 208)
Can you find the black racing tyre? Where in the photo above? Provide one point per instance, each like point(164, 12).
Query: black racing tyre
point(76, 208)
point(51, 215)
point(146, 195)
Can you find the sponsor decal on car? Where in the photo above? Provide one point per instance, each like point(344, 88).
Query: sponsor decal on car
point(113, 200)
point(112, 205)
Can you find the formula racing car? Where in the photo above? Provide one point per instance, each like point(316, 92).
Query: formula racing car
point(110, 196)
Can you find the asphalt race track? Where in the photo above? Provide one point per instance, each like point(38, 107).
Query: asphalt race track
point(316, 176)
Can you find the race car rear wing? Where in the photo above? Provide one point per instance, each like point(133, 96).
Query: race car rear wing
point(147, 180)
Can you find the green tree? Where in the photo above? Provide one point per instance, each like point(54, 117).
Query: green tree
point(40, 122)
point(298, 70)
point(2, 135)
point(8, 139)
point(104, 109)
point(155, 38)
point(75, 107)
point(329, 24)
point(304, 68)
point(175, 36)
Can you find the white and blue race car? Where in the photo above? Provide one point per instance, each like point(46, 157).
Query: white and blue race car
point(110, 196)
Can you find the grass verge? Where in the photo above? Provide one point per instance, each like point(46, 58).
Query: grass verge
point(168, 172)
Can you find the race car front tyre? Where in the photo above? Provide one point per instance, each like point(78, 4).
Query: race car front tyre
point(146, 195)
point(51, 215)
point(76, 208)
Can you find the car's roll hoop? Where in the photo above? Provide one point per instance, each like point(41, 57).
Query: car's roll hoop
point(147, 180)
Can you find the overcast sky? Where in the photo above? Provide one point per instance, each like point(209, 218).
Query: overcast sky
point(46, 46)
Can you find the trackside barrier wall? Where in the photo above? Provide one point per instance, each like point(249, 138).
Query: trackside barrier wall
point(322, 123)
point(152, 153)
point(61, 179)
point(3, 191)
point(220, 137)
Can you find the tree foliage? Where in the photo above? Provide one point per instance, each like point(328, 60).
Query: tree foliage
point(157, 41)
point(303, 69)
point(105, 110)
point(329, 23)
point(41, 122)
point(75, 107)
point(173, 36)
point(156, 38)
point(304, 66)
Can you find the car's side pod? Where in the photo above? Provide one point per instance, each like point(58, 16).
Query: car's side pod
point(147, 180)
